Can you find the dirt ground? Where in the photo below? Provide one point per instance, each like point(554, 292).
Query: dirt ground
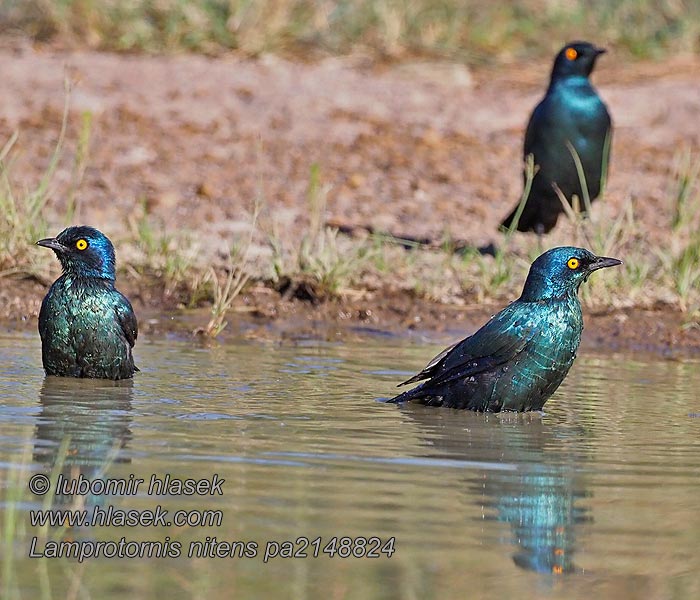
point(420, 149)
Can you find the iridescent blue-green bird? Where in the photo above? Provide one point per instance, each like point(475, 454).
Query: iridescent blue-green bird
point(518, 359)
point(87, 327)
point(570, 118)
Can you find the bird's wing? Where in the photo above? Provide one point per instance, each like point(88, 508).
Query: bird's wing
point(126, 318)
point(501, 340)
point(43, 316)
point(432, 367)
point(534, 126)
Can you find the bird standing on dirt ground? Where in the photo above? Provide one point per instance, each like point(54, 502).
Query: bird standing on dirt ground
point(87, 326)
point(570, 119)
point(520, 357)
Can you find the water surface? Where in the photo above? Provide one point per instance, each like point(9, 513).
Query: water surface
point(598, 497)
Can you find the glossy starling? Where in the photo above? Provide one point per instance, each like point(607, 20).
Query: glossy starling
point(571, 116)
point(518, 359)
point(87, 326)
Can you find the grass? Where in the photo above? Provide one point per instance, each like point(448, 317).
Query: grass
point(681, 260)
point(321, 266)
point(650, 275)
point(15, 533)
point(235, 278)
point(22, 215)
point(494, 272)
point(161, 255)
point(12, 525)
point(471, 30)
point(82, 157)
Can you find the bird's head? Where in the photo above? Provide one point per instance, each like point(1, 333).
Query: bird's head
point(576, 59)
point(560, 271)
point(83, 252)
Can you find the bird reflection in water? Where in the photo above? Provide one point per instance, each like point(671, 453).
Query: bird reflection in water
point(93, 418)
point(534, 486)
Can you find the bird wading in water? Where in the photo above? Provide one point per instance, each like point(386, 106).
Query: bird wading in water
point(571, 118)
point(518, 359)
point(87, 327)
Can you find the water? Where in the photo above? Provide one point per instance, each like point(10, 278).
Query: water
point(598, 497)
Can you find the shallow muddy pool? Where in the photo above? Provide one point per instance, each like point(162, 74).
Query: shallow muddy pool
point(293, 455)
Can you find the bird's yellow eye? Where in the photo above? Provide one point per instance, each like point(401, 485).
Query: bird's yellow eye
point(572, 263)
point(81, 244)
point(571, 54)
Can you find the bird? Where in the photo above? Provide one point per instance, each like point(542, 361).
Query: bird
point(570, 118)
point(517, 360)
point(87, 327)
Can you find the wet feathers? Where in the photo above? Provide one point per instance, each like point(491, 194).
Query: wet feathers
point(87, 327)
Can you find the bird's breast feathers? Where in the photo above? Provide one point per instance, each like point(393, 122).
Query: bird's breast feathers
point(577, 97)
point(76, 299)
point(557, 327)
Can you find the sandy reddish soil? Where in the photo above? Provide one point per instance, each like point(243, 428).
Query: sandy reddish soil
point(419, 149)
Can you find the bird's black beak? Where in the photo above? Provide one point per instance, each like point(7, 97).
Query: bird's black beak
point(52, 243)
point(599, 51)
point(603, 262)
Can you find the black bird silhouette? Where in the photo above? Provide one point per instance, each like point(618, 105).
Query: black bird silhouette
point(571, 120)
point(87, 326)
point(520, 357)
